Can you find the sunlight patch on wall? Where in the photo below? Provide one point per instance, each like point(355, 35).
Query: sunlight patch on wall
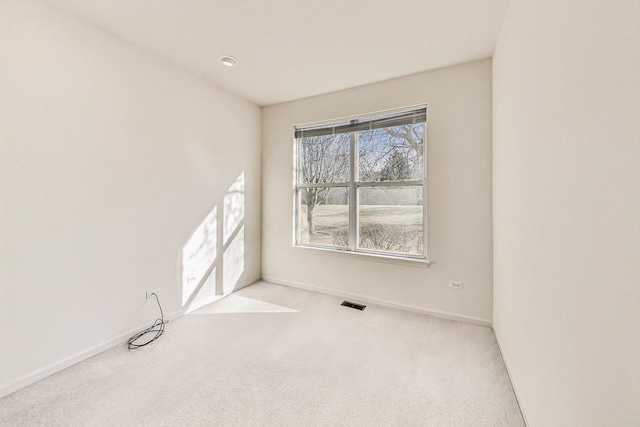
point(198, 255)
point(204, 294)
point(205, 275)
point(233, 207)
point(233, 262)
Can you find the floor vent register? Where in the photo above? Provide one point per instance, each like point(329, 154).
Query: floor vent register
point(353, 305)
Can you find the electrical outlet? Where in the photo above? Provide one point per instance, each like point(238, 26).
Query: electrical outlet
point(455, 285)
point(150, 293)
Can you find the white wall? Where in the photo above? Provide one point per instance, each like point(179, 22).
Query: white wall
point(566, 178)
point(459, 195)
point(109, 159)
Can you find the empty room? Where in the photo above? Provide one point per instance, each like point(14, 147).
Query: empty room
point(291, 213)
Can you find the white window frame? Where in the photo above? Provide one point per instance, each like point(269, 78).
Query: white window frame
point(353, 185)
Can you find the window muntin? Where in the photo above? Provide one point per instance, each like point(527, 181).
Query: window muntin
point(360, 184)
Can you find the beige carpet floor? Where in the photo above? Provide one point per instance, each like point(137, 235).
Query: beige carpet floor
point(270, 355)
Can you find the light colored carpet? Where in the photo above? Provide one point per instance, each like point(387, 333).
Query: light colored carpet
point(271, 355)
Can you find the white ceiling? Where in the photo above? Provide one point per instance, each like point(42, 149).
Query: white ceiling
point(291, 49)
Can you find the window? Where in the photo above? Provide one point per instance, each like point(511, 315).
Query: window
point(360, 184)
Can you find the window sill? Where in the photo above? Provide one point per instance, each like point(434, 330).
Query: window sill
point(364, 256)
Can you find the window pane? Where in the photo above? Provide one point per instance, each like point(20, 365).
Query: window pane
point(324, 159)
point(391, 219)
point(324, 216)
point(392, 154)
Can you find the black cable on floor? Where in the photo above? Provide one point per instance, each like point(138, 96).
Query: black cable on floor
point(157, 328)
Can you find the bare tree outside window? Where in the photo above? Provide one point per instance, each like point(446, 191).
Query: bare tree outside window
point(396, 168)
point(323, 159)
point(392, 154)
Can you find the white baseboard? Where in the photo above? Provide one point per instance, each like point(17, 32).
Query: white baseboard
point(72, 360)
point(51, 369)
point(246, 283)
point(513, 385)
point(363, 298)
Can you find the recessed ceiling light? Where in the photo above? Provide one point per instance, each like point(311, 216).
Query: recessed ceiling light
point(229, 61)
